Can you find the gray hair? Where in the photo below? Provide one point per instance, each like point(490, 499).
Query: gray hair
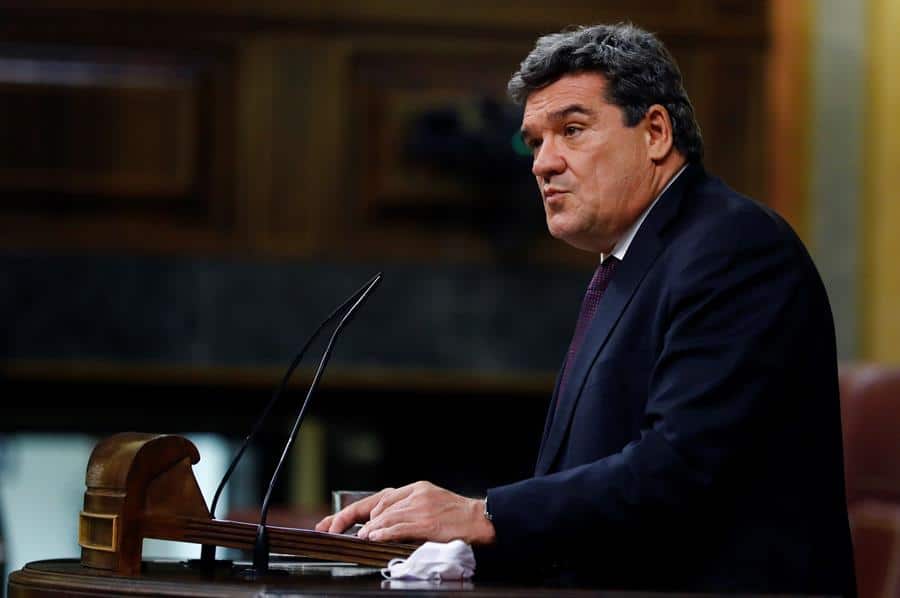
point(638, 69)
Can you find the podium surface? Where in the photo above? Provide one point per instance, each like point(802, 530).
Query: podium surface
point(68, 577)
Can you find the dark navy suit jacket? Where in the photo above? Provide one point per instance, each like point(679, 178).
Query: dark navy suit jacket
point(697, 445)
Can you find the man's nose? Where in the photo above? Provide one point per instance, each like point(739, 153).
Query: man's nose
point(548, 161)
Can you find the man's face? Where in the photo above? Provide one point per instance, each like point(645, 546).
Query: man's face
point(594, 172)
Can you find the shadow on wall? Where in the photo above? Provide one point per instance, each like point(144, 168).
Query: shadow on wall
point(478, 142)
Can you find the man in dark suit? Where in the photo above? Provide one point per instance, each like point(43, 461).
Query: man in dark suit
point(693, 441)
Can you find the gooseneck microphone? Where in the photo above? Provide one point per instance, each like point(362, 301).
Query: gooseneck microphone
point(208, 552)
point(261, 546)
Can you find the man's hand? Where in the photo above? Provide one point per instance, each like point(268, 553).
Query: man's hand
point(420, 511)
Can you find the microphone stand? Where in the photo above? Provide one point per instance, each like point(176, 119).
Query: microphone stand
point(261, 546)
point(208, 551)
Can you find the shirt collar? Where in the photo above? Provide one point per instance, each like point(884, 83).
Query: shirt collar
point(621, 246)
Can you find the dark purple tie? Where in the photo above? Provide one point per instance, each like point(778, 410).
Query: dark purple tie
point(589, 304)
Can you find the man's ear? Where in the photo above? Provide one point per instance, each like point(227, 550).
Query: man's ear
point(658, 127)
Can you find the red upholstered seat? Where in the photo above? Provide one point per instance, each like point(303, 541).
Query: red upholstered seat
point(870, 406)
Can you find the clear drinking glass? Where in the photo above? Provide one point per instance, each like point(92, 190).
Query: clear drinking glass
point(342, 498)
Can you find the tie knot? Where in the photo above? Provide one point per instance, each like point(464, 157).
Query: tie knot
point(602, 275)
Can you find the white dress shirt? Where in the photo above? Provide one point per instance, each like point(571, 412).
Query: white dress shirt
point(621, 246)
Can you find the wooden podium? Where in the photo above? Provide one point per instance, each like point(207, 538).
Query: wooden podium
point(142, 486)
point(67, 577)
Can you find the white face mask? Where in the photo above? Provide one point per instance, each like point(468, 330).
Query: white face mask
point(434, 561)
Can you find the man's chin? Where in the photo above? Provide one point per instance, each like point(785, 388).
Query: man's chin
point(573, 239)
point(559, 231)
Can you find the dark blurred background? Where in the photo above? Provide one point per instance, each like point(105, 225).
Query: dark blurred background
point(187, 188)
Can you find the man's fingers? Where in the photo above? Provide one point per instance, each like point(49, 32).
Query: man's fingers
point(347, 517)
point(398, 513)
point(403, 531)
point(355, 512)
point(323, 525)
point(365, 509)
point(390, 499)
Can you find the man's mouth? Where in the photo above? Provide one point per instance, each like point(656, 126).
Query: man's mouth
point(552, 193)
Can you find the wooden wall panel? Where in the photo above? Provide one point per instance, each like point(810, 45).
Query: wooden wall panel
point(724, 19)
point(114, 147)
point(284, 129)
point(725, 87)
point(115, 133)
point(307, 164)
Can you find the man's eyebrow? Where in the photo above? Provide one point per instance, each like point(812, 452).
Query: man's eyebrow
point(569, 110)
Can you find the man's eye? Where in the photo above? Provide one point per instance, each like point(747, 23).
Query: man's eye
point(571, 130)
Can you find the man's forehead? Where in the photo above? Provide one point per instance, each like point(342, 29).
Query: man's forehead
point(561, 113)
point(584, 89)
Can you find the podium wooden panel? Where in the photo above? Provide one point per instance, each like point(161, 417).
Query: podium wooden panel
point(67, 577)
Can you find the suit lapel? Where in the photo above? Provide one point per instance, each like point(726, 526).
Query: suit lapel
point(644, 249)
point(550, 412)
